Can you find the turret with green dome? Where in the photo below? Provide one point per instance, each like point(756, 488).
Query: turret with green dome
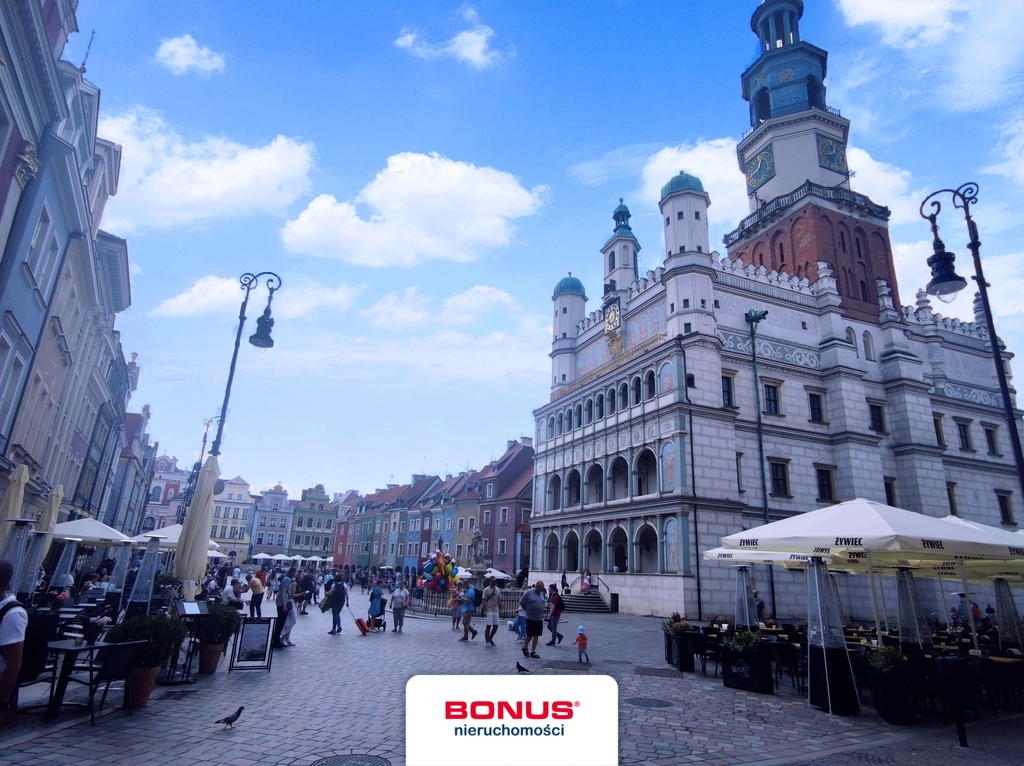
point(569, 284)
point(682, 182)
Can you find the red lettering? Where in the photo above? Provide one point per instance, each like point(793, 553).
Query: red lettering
point(481, 709)
point(561, 710)
point(455, 710)
point(505, 709)
point(534, 715)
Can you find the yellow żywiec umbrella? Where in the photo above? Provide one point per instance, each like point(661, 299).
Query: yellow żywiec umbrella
point(191, 558)
point(10, 505)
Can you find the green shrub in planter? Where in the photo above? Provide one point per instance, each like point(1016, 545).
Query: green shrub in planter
point(746, 664)
point(890, 686)
point(219, 625)
point(164, 634)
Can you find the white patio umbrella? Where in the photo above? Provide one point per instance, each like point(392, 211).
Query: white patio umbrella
point(89, 531)
point(758, 557)
point(14, 497)
point(280, 557)
point(193, 544)
point(40, 543)
point(497, 574)
point(171, 536)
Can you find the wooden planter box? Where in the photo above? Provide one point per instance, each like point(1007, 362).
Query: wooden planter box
point(890, 693)
point(749, 671)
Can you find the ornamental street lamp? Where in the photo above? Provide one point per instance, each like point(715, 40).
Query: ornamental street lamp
point(946, 283)
point(261, 338)
point(190, 488)
point(753, 318)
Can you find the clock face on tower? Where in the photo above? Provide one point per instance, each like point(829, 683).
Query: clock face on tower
point(760, 168)
point(832, 154)
point(612, 319)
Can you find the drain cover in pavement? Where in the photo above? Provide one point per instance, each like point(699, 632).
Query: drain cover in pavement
point(560, 665)
point(178, 695)
point(618, 662)
point(647, 702)
point(353, 760)
point(639, 670)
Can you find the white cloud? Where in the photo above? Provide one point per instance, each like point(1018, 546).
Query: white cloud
point(471, 46)
point(1010, 152)
point(714, 163)
point(423, 207)
point(183, 54)
point(886, 185)
point(167, 180)
point(626, 162)
point(219, 296)
point(409, 308)
point(905, 24)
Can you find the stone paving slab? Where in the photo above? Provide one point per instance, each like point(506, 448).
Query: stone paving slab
point(345, 695)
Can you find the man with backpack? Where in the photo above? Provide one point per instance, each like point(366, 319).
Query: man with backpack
point(469, 605)
point(13, 624)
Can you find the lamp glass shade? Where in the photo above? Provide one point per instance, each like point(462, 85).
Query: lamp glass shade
point(945, 281)
point(261, 338)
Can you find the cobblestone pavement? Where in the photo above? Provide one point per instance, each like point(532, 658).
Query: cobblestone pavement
point(345, 695)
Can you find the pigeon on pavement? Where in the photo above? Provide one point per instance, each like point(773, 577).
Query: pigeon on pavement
point(230, 720)
point(521, 669)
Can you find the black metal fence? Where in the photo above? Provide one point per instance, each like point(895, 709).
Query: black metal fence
point(435, 604)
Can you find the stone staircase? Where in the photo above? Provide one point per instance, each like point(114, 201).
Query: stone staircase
point(591, 602)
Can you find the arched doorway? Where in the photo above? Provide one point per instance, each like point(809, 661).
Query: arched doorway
point(592, 551)
point(617, 549)
point(573, 488)
point(551, 552)
point(646, 473)
point(594, 488)
point(555, 493)
point(645, 554)
point(571, 552)
point(619, 489)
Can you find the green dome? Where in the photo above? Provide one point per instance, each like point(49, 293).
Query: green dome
point(569, 284)
point(682, 182)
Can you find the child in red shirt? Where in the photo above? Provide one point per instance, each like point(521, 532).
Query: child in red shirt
point(581, 643)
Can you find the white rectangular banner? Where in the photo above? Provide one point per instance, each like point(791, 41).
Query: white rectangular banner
point(512, 720)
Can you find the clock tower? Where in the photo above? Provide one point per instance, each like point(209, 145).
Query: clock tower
point(803, 210)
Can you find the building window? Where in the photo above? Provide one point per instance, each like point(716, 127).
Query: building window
point(273, 521)
point(306, 539)
point(213, 532)
point(391, 549)
point(458, 551)
point(940, 436)
point(779, 471)
point(329, 523)
point(815, 403)
point(826, 485)
point(280, 539)
point(461, 524)
point(423, 549)
point(320, 522)
point(223, 531)
point(739, 472)
point(316, 541)
point(687, 327)
point(501, 547)
point(876, 414)
point(1005, 507)
point(963, 433)
point(490, 488)
point(448, 525)
point(487, 545)
point(771, 399)
point(728, 398)
point(309, 521)
point(990, 440)
point(487, 517)
point(235, 514)
point(696, 215)
point(259, 539)
point(951, 497)
point(275, 506)
point(503, 516)
point(263, 521)
point(401, 527)
point(437, 524)
point(216, 512)
point(298, 521)
point(471, 523)
point(401, 549)
point(890, 492)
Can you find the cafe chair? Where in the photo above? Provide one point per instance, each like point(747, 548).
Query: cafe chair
point(39, 666)
point(113, 662)
point(791, 660)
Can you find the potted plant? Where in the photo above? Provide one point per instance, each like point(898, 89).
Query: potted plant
point(890, 686)
point(164, 634)
point(668, 628)
point(746, 663)
point(212, 633)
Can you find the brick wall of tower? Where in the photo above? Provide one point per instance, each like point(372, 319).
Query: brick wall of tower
point(858, 252)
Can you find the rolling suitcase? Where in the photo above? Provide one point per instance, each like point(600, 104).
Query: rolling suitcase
point(360, 623)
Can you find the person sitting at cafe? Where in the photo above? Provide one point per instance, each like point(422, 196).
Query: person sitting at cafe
point(232, 595)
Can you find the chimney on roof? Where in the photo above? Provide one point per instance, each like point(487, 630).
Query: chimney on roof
point(510, 444)
point(392, 486)
point(526, 441)
point(418, 477)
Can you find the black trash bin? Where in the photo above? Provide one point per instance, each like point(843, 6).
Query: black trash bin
point(613, 602)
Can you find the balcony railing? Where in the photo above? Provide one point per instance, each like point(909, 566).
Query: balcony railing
point(782, 111)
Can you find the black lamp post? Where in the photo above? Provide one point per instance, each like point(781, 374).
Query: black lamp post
point(946, 283)
point(753, 318)
point(261, 338)
point(190, 488)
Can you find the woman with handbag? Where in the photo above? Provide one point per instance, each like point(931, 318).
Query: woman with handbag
point(556, 611)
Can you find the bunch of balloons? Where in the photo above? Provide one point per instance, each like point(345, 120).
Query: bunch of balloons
point(439, 572)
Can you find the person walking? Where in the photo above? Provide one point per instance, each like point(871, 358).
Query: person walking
point(581, 644)
point(256, 599)
point(468, 607)
point(376, 607)
point(556, 611)
point(455, 605)
point(399, 603)
point(492, 610)
point(532, 602)
point(13, 624)
point(282, 601)
point(339, 600)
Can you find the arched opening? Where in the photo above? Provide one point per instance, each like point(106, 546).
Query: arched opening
point(652, 388)
point(869, 348)
point(762, 105)
point(864, 291)
point(645, 551)
point(558, 428)
point(814, 94)
point(568, 420)
point(572, 488)
point(588, 411)
point(619, 489)
point(611, 402)
point(592, 551)
point(624, 396)
point(551, 553)
point(636, 390)
point(554, 501)
point(600, 406)
point(611, 261)
point(851, 336)
point(579, 415)
point(617, 549)
point(551, 428)
point(154, 495)
point(646, 473)
point(595, 484)
point(571, 552)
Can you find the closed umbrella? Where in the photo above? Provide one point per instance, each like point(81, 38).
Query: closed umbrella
point(41, 541)
point(10, 505)
point(190, 560)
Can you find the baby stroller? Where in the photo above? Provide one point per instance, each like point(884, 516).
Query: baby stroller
point(381, 624)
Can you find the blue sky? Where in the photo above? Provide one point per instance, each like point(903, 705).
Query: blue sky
point(422, 174)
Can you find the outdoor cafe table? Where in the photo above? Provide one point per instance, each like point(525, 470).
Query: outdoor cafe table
point(69, 650)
